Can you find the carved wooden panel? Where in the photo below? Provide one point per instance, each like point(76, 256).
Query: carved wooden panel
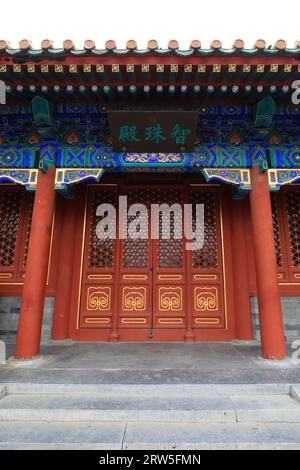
point(15, 221)
point(286, 224)
point(99, 265)
point(207, 283)
point(153, 283)
point(292, 204)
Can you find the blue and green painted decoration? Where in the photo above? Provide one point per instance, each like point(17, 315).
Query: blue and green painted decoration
point(76, 137)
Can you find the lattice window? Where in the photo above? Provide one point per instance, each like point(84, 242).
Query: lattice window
point(207, 256)
point(170, 249)
point(277, 238)
point(135, 250)
point(170, 252)
point(100, 251)
point(10, 210)
point(292, 199)
point(28, 226)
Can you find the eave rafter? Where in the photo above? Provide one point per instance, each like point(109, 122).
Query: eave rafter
point(152, 69)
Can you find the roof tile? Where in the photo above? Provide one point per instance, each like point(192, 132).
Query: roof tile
point(89, 47)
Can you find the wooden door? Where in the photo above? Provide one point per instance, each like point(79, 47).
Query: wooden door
point(150, 287)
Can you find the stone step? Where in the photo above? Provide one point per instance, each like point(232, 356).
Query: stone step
point(184, 407)
point(58, 435)
point(156, 390)
point(209, 436)
point(94, 407)
point(102, 436)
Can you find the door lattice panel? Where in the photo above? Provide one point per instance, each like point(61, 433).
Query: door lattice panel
point(286, 224)
point(206, 257)
point(293, 219)
point(28, 226)
point(15, 221)
point(170, 250)
point(170, 253)
point(135, 249)
point(276, 229)
point(135, 253)
point(10, 211)
point(100, 252)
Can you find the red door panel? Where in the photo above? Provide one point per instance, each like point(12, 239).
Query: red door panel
point(153, 284)
point(135, 301)
point(99, 270)
point(206, 289)
point(169, 279)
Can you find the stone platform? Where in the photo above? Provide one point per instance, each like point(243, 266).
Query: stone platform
point(150, 396)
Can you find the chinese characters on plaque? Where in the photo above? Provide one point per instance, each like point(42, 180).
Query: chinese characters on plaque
point(153, 131)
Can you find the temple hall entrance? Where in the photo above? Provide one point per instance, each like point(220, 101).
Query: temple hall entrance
point(152, 287)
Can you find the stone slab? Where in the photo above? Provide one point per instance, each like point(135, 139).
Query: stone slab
point(262, 408)
point(2, 352)
point(93, 407)
point(295, 392)
point(212, 436)
point(148, 376)
point(27, 435)
point(146, 390)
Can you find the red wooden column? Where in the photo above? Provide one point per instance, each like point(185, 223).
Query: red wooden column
point(243, 318)
point(31, 315)
point(61, 312)
point(270, 315)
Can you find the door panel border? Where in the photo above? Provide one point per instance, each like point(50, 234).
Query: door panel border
point(201, 334)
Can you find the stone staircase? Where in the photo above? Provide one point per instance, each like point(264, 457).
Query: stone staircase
point(69, 416)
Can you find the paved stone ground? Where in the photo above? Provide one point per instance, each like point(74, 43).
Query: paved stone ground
point(149, 396)
point(150, 363)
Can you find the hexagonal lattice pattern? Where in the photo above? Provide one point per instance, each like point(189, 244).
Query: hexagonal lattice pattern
point(170, 246)
point(10, 210)
point(207, 256)
point(170, 249)
point(277, 238)
point(135, 251)
point(293, 217)
point(100, 252)
point(28, 226)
